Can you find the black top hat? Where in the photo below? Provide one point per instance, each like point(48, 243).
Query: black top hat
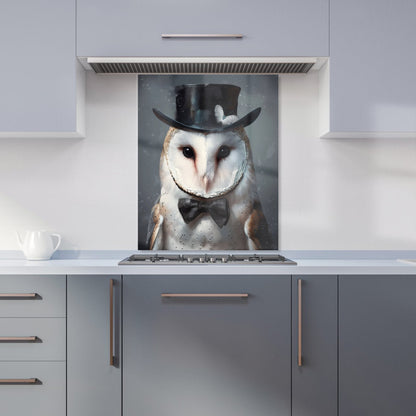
point(196, 108)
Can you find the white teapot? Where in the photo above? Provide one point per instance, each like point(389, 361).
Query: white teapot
point(38, 245)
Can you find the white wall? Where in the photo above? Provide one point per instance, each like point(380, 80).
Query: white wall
point(334, 194)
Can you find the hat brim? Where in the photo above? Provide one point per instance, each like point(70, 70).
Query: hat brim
point(242, 122)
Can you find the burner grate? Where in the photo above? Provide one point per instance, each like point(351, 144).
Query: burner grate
point(203, 258)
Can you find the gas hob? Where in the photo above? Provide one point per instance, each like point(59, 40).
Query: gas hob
point(182, 259)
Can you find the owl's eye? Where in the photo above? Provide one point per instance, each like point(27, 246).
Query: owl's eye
point(188, 152)
point(223, 152)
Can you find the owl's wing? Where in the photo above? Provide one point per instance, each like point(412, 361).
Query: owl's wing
point(257, 230)
point(155, 232)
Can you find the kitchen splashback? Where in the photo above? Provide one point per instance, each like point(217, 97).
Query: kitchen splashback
point(207, 175)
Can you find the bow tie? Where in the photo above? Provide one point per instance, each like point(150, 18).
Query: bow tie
point(192, 208)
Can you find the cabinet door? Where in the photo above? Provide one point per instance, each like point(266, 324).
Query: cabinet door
point(94, 385)
point(269, 27)
point(377, 344)
point(372, 66)
point(314, 382)
point(206, 356)
point(38, 68)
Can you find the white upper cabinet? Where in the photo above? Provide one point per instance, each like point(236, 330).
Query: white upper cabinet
point(40, 81)
point(372, 88)
point(269, 27)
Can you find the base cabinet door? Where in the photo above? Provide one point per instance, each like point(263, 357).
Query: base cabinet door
point(186, 353)
point(93, 382)
point(377, 344)
point(314, 345)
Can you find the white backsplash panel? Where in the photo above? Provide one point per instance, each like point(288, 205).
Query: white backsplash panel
point(207, 162)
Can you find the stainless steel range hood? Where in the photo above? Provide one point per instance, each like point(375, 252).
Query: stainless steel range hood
point(203, 65)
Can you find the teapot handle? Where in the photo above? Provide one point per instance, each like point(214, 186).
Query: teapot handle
point(19, 239)
point(59, 241)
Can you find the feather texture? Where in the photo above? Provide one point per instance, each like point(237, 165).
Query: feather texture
point(156, 236)
point(256, 229)
point(205, 172)
point(219, 116)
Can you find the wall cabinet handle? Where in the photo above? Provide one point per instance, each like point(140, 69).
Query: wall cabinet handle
point(299, 322)
point(205, 295)
point(10, 296)
point(112, 358)
point(24, 381)
point(19, 339)
point(201, 36)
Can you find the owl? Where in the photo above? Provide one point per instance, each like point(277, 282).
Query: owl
point(208, 198)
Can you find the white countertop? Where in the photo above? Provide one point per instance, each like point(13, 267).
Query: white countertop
point(108, 266)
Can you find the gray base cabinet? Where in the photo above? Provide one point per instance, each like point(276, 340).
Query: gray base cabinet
point(93, 384)
point(314, 382)
point(186, 356)
point(223, 345)
point(32, 345)
point(377, 344)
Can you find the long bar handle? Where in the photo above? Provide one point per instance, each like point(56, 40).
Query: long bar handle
point(299, 322)
point(20, 381)
point(202, 36)
point(19, 339)
point(18, 296)
point(205, 295)
point(112, 360)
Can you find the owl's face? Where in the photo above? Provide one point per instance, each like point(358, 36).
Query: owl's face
point(206, 165)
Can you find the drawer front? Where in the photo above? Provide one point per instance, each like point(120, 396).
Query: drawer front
point(45, 397)
point(32, 339)
point(32, 296)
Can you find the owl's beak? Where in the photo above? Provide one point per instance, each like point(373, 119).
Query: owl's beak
point(205, 170)
point(206, 182)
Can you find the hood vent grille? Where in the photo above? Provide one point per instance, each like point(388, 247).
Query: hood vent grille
point(105, 67)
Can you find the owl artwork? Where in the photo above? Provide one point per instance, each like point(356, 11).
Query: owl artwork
point(208, 198)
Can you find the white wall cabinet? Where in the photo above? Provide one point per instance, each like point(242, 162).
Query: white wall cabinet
point(41, 81)
point(372, 91)
point(269, 27)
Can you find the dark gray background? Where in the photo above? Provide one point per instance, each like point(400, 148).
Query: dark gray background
point(157, 91)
